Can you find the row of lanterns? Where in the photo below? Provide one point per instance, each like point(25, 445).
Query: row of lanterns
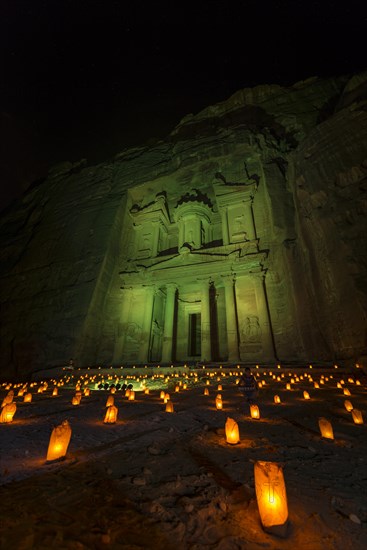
point(269, 479)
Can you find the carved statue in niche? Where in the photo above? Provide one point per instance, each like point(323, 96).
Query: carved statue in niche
point(132, 342)
point(202, 234)
point(144, 246)
point(133, 332)
point(238, 229)
point(156, 341)
point(250, 330)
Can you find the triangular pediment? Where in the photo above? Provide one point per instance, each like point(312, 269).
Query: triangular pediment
point(186, 259)
point(182, 260)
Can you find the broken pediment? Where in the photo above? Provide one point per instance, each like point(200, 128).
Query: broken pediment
point(247, 254)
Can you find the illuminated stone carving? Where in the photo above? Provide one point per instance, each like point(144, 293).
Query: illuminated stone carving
point(180, 295)
point(237, 238)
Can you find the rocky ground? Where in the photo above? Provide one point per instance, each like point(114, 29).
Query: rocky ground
point(161, 481)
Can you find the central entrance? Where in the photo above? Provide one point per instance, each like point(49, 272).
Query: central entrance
point(195, 334)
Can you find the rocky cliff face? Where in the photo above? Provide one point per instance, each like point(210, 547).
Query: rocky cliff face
point(63, 243)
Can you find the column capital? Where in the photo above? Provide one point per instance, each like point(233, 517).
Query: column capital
point(259, 276)
point(152, 287)
point(171, 287)
point(205, 282)
point(228, 279)
point(126, 289)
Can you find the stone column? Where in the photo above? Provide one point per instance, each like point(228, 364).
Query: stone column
point(168, 323)
point(225, 231)
point(124, 319)
point(231, 318)
point(181, 235)
point(147, 323)
point(155, 238)
point(205, 322)
point(269, 353)
point(249, 217)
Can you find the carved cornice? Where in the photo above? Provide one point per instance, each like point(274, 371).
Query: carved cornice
point(155, 211)
point(231, 195)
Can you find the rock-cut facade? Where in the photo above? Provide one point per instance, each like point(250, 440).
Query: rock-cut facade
point(240, 238)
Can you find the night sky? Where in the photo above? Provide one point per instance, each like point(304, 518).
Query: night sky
point(88, 78)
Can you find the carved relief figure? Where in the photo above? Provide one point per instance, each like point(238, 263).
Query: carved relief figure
point(145, 243)
point(156, 341)
point(133, 332)
point(238, 229)
point(250, 330)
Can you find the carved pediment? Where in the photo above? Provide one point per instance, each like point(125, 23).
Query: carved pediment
point(155, 210)
point(188, 257)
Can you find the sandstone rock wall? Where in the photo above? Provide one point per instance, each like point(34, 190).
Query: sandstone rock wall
point(63, 243)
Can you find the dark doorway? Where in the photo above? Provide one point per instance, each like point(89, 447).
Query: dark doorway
point(195, 334)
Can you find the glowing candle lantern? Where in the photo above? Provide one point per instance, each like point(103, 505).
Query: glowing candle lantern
point(348, 405)
point(59, 441)
point(54, 392)
point(132, 395)
point(346, 392)
point(146, 391)
point(110, 401)
point(77, 387)
point(288, 387)
point(306, 395)
point(326, 428)
point(75, 400)
point(20, 392)
point(7, 399)
point(169, 407)
point(87, 392)
point(162, 394)
point(220, 387)
point(206, 391)
point(27, 398)
point(208, 382)
point(166, 398)
point(254, 411)
point(7, 413)
point(338, 385)
point(358, 382)
point(113, 390)
point(111, 415)
point(127, 393)
point(271, 496)
point(316, 385)
point(177, 389)
point(277, 399)
point(351, 380)
point(219, 402)
point(232, 432)
point(357, 416)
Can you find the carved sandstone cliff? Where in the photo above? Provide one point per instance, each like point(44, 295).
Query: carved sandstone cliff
point(65, 242)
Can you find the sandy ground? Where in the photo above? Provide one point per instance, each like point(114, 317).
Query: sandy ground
point(170, 481)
